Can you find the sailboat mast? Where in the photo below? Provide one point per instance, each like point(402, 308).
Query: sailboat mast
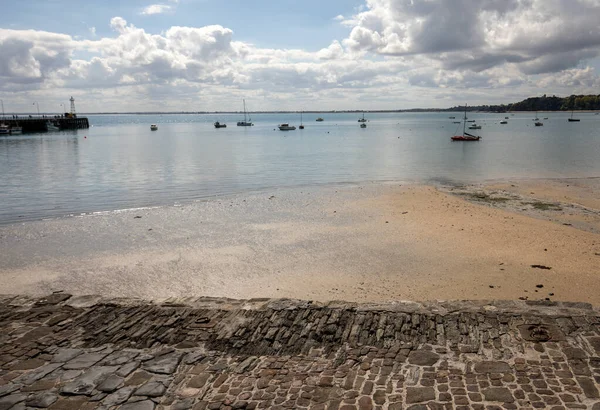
point(465, 121)
point(244, 110)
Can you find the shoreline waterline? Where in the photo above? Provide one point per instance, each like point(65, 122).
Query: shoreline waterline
point(364, 242)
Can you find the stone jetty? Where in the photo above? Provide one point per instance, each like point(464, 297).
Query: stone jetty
point(87, 352)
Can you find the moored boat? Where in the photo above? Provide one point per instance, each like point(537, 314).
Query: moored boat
point(153, 127)
point(465, 135)
point(504, 122)
point(363, 125)
point(50, 126)
point(4, 129)
point(247, 121)
point(573, 119)
point(217, 124)
point(475, 127)
point(320, 119)
point(286, 127)
point(539, 124)
point(362, 119)
point(16, 130)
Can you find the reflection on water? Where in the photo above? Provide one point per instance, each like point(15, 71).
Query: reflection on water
point(120, 163)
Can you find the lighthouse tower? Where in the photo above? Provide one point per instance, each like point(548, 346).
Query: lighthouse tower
point(72, 106)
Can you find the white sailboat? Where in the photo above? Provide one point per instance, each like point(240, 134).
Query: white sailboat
point(247, 121)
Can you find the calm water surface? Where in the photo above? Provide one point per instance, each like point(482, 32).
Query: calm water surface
point(119, 163)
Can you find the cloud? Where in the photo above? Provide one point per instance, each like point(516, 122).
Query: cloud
point(536, 35)
point(156, 9)
point(397, 54)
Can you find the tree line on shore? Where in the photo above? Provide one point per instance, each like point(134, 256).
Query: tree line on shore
point(543, 103)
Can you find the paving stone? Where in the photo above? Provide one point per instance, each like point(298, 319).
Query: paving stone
point(84, 361)
point(118, 397)
point(42, 400)
point(419, 394)
point(500, 394)
point(64, 355)
point(423, 358)
point(589, 387)
point(8, 401)
point(138, 378)
point(37, 374)
point(199, 381)
point(151, 389)
point(119, 357)
point(165, 364)
point(28, 364)
point(86, 383)
point(126, 369)
point(110, 384)
point(9, 388)
point(140, 405)
point(43, 384)
point(492, 367)
point(185, 404)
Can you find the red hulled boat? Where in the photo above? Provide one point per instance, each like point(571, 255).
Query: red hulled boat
point(465, 135)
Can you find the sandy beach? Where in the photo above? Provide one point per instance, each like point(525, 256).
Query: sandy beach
point(531, 239)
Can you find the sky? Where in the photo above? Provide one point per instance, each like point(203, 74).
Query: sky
point(208, 55)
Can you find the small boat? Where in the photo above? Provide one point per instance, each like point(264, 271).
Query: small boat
point(153, 127)
point(573, 119)
point(219, 125)
point(301, 126)
point(471, 121)
point(504, 122)
point(286, 127)
point(16, 130)
point(247, 121)
point(51, 127)
point(320, 119)
point(363, 125)
point(536, 117)
point(539, 124)
point(475, 127)
point(363, 118)
point(465, 135)
point(452, 118)
point(545, 118)
point(506, 118)
point(4, 129)
point(456, 122)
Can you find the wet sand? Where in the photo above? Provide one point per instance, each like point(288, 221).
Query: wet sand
point(373, 242)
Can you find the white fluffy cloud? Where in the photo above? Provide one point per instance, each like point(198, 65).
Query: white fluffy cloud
point(397, 54)
point(155, 9)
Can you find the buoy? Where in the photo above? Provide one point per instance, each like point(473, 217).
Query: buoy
point(85, 136)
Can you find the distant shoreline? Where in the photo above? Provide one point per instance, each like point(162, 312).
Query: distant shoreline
point(416, 110)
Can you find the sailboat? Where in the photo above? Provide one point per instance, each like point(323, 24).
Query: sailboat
point(573, 119)
point(301, 126)
point(538, 123)
point(363, 118)
point(247, 121)
point(465, 135)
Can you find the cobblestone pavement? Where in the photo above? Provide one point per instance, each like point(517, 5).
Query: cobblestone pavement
point(63, 352)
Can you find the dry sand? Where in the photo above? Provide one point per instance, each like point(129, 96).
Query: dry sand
point(375, 242)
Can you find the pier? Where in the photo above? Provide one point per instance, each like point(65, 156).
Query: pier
point(38, 123)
